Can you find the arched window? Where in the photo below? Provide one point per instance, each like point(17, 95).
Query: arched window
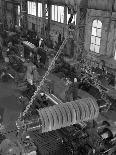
point(96, 36)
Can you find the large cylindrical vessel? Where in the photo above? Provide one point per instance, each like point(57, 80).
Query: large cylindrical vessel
point(66, 114)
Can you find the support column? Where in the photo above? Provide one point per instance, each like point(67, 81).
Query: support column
point(4, 21)
point(80, 30)
point(36, 15)
point(49, 15)
point(43, 17)
point(24, 13)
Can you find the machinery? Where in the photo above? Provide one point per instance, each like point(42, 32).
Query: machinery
point(74, 124)
point(91, 139)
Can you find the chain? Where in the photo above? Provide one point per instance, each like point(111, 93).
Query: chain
point(44, 77)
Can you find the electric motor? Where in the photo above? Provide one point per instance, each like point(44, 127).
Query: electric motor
point(66, 114)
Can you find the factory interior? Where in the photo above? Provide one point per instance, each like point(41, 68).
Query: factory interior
point(57, 77)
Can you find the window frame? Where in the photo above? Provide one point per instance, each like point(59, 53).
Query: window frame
point(96, 43)
point(31, 7)
point(56, 14)
point(40, 12)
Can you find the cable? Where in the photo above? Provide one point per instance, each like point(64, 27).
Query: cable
point(44, 78)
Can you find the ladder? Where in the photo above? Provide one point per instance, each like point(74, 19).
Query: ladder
point(51, 66)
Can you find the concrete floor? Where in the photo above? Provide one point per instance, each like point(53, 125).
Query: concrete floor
point(10, 109)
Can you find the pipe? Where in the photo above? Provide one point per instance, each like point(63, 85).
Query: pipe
point(66, 114)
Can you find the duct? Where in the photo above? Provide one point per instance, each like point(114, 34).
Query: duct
point(66, 114)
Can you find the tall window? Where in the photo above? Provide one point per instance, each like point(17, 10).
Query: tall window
point(96, 36)
point(74, 17)
point(31, 8)
point(39, 9)
point(58, 13)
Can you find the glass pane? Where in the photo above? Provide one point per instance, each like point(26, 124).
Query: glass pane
point(18, 9)
point(97, 41)
point(33, 10)
point(62, 15)
point(94, 31)
point(59, 13)
point(30, 7)
point(99, 24)
point(56, 13)
point(92, 47)
point(75, 16)
point(34, 5)
point(53, 13)
point(94, 23)
point(97, 48)
point(99, 32)
point(39, 9)
point(93, 39)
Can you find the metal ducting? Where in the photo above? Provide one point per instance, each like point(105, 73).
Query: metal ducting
point(63, 115)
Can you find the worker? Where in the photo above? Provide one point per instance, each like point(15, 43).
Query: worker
point(31, 73)
point(40, 42)
point(72, 90)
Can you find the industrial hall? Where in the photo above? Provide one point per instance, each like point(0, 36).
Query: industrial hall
point(57, 77)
